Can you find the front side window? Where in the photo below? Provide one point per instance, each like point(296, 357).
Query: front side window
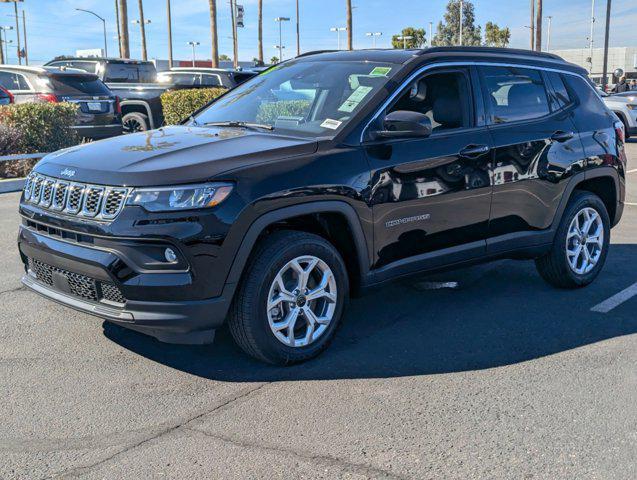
point(444, 97)
point(308, 98)
point(514, 94)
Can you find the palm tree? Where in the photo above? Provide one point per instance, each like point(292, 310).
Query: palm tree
point(349, 24)
point(123, 39)
point(142, 28)
point(261, 32)
point(213, 33)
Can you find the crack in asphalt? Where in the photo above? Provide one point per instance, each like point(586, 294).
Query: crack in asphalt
point(11, 290)
point(359, 468)
point(77, 471)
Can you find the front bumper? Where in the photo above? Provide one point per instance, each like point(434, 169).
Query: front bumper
point(142, 308)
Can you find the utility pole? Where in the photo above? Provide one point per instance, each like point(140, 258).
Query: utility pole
point(349, 25)
point(538, 26)
point(461, 12)
point(298, 31)
point(606, 37)
point(170, 35)
point(214, 40)
point(591, 38)
point(17, 31)
point(235, 46)
point(119, 33)
point(24, 32)
point(124, 46)
point(142, 29)
point(532, 27)
point(548, 33)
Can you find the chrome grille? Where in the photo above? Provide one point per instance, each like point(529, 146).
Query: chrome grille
point(79, 285)
point(70, 198)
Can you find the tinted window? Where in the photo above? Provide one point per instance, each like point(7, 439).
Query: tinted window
point(444, 97)
point(5, 99)
point(242, 77)
point(560, 97)
point(13, 81)
point(77, 85)
point(210, 80)
point(186, 79)
point(130, 73)
point(514, 93)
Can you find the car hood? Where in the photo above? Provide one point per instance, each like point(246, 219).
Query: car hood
point(171, 155)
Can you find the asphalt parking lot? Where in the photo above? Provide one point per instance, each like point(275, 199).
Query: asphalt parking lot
point(501, 377)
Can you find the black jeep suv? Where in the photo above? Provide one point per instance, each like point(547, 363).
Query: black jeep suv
point(325, 175)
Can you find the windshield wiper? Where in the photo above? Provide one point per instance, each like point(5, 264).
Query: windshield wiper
point(240, 125)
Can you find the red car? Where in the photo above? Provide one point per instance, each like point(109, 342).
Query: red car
point(5, 96)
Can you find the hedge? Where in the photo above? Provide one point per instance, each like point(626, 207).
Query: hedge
point(270, 111)
point(35, 128)
point(178, 105)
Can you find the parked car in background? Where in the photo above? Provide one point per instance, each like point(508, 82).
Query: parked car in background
point(6, 97)
point(195, 77)
point(99, 113)
point(133, 81)
point(624, 105)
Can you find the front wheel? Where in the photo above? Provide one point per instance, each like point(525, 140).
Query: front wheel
point(291, 298)
point(580, 245)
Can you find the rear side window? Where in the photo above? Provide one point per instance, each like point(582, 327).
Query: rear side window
point(182, 79)
point(77, 85)
point(242, 77)
point(210, 80)
point(560, 97)
point(514, 94)
point(13, 81)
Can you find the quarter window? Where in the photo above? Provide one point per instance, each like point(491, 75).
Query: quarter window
point(13, 81)
point(560, 97)
point(514, 94)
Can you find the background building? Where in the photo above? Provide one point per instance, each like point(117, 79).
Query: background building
point(618, 57)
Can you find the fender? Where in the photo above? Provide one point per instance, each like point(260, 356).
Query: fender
point(261, 223)
point(149, 113)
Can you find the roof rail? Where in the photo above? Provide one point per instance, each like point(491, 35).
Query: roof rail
point(468, 49)
point(315, 52)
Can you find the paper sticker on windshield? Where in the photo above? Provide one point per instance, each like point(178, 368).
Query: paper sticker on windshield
point(380, 71)
point(354, 99)
point(331, 124)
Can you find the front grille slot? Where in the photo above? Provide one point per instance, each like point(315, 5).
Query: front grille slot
point(79, 285)
point(95, 201)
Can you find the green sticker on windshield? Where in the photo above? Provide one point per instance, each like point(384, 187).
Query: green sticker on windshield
point(380, 71)
point(354, 99)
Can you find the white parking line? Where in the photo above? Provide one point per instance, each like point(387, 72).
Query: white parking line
point(634, 170)
point(435, 285)
point(616, 300)
point(631, 204)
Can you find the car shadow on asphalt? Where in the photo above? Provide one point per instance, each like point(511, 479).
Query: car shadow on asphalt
point(500, 314)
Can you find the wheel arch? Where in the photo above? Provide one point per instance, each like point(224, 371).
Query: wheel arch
point(139, 106)
point(297, 217)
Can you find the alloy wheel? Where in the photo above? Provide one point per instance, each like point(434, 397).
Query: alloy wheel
point(302, 301)
point(585, 241)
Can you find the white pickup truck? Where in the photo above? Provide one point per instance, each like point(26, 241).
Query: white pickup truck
point(625, 106)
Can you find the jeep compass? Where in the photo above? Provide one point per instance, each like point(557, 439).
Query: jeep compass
point(328, 174)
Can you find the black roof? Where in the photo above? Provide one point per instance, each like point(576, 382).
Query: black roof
point(100, 59)
point(436, 53)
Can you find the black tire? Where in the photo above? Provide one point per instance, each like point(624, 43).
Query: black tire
point(135, 122)
point(554, 266)
point(248, 320)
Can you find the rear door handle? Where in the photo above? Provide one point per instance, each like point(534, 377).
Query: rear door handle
point(474, 150)
point(561, 136)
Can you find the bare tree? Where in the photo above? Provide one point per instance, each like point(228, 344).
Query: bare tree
point(260, 31)
point(349, 24)
point(213, 33)
point(123, 39)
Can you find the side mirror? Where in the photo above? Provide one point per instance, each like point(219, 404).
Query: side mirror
point(405, 124)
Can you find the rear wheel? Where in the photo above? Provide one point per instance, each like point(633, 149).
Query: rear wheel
point(291, 299)
point(135, 122)
point(580, 245)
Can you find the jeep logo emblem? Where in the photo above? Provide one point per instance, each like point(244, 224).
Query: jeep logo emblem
point(67, 172)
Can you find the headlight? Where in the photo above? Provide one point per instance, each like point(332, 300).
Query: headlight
point(181, 197)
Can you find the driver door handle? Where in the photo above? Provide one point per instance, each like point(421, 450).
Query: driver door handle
point(561, 136)
point(474, 150)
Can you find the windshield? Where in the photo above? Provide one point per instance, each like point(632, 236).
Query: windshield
point(306, 98)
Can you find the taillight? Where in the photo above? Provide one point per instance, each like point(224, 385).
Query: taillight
point(619, 130)
point(118, 106)
point(47, 97)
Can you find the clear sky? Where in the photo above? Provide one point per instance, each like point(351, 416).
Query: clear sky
point(54, 27)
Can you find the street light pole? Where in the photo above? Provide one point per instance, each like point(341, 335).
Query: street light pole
point(548, 33)
point(374, 35)
point(142, 28)
point(606, 38)
point(3, 33)
point(404, 38)
point(170, 35)
point(431, 33)
point(591, 39)
point(193, 45)
point(281, 20)
point(338, 31)
point(103, 26)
